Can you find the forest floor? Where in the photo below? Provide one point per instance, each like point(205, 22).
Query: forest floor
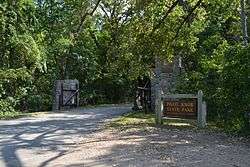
point(98, 137)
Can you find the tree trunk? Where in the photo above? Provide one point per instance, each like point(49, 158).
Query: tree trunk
point(244, 22)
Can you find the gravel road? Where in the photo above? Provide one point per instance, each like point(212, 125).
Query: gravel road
point(51, 139)
point(77, 138)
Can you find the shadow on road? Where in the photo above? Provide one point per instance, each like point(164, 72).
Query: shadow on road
point(55, 132)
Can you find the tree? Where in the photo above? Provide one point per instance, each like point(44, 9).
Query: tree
point(244, 22)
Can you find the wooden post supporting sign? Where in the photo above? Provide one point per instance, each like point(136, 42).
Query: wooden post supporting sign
point(158, 107)
point(200, 113)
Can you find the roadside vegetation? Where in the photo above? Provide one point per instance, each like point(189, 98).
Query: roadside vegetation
point(141, 120)
point(12, 115)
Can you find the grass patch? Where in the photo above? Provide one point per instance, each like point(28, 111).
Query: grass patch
point(134, 119)
point(16, 114)
point(140, 119)
point(12, 115)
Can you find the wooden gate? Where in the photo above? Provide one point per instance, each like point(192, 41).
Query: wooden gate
point(66, 94)
point(69, 95)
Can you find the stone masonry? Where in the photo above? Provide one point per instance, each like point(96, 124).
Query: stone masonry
point(168, 75)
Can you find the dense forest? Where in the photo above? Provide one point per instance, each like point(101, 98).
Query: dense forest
point(108, 44)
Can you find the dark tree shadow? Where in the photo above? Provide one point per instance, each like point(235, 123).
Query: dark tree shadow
point(172, 146)
point(50, 133)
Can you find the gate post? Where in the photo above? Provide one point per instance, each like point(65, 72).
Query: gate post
point(201, 111)
point(204, 114)
point(56, 96)
point(78, 93)
point(158, 107)
point(158, 97)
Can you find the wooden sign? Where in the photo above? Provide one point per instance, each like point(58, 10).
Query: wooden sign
point(184, 108)
point(181, 106)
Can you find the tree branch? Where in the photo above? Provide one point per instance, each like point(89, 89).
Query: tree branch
point(83, 18)
point(186, 18)
point(165, 16)
point(92, 34)
point(105, 12)
point(186, 6)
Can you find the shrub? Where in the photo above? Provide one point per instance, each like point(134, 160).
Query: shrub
point(6, 106)
point(35, 102)
point(226, 85)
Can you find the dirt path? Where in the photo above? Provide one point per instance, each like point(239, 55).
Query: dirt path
point(50, 139)
point(78, 139)
point(149, 147)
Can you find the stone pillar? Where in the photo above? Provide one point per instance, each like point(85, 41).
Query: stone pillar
point(164, 80)
point(56, 95)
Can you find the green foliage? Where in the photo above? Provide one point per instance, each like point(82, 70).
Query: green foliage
point(14, 85)
point(34, 102)
point(7, 111)
point(109, 48)
point(21, 53)
point(220, 67)
point(11, 115)
point(6, 107)
point(236, 88)
point(225, 81)
point(27, 51)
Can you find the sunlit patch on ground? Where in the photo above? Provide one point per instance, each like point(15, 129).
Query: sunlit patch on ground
point(142, 119)
point(80, 138)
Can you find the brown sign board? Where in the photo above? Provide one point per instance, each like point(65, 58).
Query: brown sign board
point(180, 108)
